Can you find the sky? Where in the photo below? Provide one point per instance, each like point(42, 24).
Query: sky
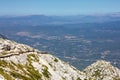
point(58, 7)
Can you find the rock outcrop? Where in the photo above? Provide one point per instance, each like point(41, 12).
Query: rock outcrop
point(102, 70)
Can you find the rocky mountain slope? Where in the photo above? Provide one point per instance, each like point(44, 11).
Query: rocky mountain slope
point(102, 70)
point(21, 62)
point(18, 61)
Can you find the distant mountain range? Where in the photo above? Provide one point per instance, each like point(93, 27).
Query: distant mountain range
point(57, 20)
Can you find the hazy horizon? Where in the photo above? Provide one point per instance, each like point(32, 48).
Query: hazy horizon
point(57, 8)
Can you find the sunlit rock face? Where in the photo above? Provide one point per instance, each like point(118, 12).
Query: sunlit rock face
point(21, 62)
point(102, 70)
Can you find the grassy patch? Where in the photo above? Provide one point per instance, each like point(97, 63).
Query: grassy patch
point(97, 73)
point(33, 57)
point(46, 72)
point(20, 76)
point(21, 71)
point(50, 64)
point(11, 66)
point(5, 75)
point(56, 60)
point(26, 72)
point(78, 78)
point(3, 63)
point(33, 73)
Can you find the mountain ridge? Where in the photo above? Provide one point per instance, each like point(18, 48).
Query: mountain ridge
point(36, 20)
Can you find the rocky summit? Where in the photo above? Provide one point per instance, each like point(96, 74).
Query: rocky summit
point(21, 62)
point(102, 70)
